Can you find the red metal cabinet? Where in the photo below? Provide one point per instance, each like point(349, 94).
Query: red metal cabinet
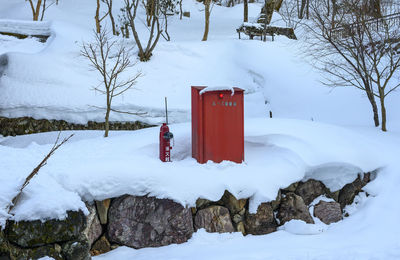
point(217, 125)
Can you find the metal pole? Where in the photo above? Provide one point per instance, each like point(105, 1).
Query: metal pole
point(166, 111)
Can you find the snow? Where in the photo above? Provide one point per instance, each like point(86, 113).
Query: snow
point(255, 25)
point(217, 88)
point(334, 175)
point(25, 27)
point(278, 152)
point(46, 258)
point(316, 132)
point(299, 227)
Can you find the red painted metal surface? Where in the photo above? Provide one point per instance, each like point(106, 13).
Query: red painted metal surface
point(217, 125)
point(165, 143)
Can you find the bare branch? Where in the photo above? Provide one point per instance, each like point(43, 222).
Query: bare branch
point(36, 170)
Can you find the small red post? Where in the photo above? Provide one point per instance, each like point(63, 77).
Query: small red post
point(165, 143)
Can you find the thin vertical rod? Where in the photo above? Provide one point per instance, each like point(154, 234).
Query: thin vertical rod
point(166, 111)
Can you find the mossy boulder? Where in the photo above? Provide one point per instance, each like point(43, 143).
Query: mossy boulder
point(37, 233)
point(311, 190)
point(76, 250)
point(3, 245)
point(17, 253)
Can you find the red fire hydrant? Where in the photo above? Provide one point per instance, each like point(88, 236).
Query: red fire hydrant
point(165, 143)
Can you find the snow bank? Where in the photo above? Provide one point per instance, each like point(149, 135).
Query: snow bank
point(25, 27)
point(277, 153)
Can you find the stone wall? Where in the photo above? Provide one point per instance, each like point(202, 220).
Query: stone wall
point(29, 125)
point(142, 221)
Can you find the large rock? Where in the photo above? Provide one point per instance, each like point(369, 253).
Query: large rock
point(275, 203)
point(3, 245)
point(349, 191)
point(102, 210)
point(37, 233)
point(234, 205)
point(310, 190)
point(101, 246)
point(263, 222)
point(328, 212)
point(203, 203)
point(148, 222)
point(76, 250)
point(293, 207)
point(93, 228)
point(52, 251)
point(214, 219)
point(291, 188)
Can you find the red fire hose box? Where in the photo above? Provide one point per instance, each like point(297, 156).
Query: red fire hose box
point(217, 124)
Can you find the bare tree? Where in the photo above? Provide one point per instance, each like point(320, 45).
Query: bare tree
point(39, 7)
point(35, 9)
point(110, 59)
point(289, 13)
point(207, 12)
point(351, 49)
point(130, 11)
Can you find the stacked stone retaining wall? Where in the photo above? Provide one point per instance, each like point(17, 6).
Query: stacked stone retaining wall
point(29, 125)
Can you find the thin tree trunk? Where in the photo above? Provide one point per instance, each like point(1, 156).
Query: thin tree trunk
point(114, 29)
point(97, 17)
point(35, 10)
point(302, 7)
point(107, 124)
point(207, 19)
point(43, 9)
point(150, 11)
point(245, 11)
point(372, 101)
point(383, 108)
point(308, 9)
point(36, 17)
point(180, 10)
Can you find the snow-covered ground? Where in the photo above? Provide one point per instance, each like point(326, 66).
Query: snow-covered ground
point(277, 153)
point(273, 73)
point(316, 133)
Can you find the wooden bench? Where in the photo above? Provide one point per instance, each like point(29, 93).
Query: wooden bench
point(23, 29)
point(257, 29)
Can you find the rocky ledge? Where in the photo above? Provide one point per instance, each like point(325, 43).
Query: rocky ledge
point(142, 221)
point(29, 125)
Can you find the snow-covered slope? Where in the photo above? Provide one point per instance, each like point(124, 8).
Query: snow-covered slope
point(57, 84)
